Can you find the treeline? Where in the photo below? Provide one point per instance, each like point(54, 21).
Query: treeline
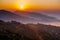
point(17, 31)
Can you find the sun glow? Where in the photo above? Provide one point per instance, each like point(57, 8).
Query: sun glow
point(22, 7)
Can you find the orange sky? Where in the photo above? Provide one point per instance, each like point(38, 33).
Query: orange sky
point(30, 4)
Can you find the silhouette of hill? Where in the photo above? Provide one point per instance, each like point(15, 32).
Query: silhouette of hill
point(17, 31)
point(12, 28)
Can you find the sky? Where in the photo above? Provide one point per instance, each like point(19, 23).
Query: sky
point(30, 4)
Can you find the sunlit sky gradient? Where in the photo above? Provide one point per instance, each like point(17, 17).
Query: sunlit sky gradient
point(30, 4)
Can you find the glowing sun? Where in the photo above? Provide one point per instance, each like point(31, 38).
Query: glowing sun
point(22, 7)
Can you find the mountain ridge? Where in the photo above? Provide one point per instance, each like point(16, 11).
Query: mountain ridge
point(26, 17)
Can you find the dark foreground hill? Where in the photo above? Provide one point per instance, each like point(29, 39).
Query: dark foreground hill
point(18, 31)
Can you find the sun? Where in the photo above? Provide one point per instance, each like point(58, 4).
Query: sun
point(22, 7)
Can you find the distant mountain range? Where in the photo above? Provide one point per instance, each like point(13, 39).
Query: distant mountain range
point(6, 15)
point(26, 17)
point(37, 16)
